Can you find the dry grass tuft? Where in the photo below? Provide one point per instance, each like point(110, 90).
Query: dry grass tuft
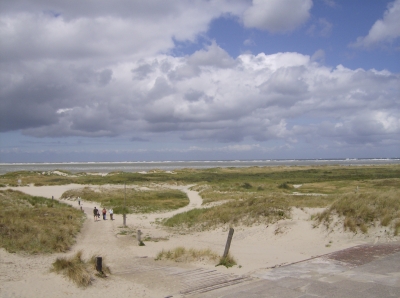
point(362, 210)
point(74, 268)
point(181, 254)
point(228, 261)
point(79, 271)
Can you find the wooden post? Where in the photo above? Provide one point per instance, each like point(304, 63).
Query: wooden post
point(139, 237)
point(99, 264)
point(228, 242)
point(124, 215)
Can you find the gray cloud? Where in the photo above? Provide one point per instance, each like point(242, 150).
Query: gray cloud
point(261, 97)
point(78, 71)
point(275, 16)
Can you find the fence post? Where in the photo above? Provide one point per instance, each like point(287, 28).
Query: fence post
point(228, 242)
point(139, 236)
point(99, 264)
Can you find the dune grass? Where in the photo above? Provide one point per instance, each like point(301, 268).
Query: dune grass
point(228, 261)
point(255, 194)
point(181, 254)
point(360, 211)
point(36, 224)
point(267, 177)
point(79, 271)
point(137, 201)
point(239, 212)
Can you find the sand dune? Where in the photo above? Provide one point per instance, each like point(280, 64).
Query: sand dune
point(255, 248)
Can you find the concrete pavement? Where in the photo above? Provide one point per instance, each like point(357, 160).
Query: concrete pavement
point(365, 271)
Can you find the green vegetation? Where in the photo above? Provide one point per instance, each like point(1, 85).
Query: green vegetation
point(363, 210)
point(137, 201)
point(250, 195)
point(181, 254)
point(36, 224)
point(245, 212)
point(227, 261)
point(229, 178)
point(284, 185)
point(79, 271)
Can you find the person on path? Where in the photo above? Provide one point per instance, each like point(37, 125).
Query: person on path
point(104, 213)
point(95, 211)
point(111, 214)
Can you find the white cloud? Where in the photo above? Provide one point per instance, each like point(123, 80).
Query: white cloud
point(102, 30)
point(277, 15)
point(384, 30)
point(103, 70)
point(284, 96)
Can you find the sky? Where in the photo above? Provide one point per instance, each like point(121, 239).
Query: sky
point(152, 80)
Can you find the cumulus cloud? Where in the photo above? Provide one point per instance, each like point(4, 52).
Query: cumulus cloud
point(102, 30)
point(93, 70)
point(384, 30)
point(274, 15)
point(284, 96)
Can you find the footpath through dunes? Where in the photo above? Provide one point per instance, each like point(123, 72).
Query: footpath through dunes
point(258, 250)
point(29, 276)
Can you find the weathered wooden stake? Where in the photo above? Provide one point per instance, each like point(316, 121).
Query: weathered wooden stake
point(124, 219)
point(99, 264)
point(228, 242)
point(139, 236)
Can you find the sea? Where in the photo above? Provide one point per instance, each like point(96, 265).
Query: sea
point(145, 166)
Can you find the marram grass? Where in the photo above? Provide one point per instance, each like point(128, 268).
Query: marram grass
point(136, 201)
point(181, 254)
point(36, 224)
point(79, 271)
point(359, 211)
point(239, 212)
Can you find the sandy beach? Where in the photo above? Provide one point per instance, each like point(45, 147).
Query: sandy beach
point(255, 248)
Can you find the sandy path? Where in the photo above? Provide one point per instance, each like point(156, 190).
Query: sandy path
point(96, 238)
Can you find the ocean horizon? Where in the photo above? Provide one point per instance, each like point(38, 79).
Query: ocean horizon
point(139, 166)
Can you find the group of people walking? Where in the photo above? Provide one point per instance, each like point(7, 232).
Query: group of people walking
point(96, 214)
